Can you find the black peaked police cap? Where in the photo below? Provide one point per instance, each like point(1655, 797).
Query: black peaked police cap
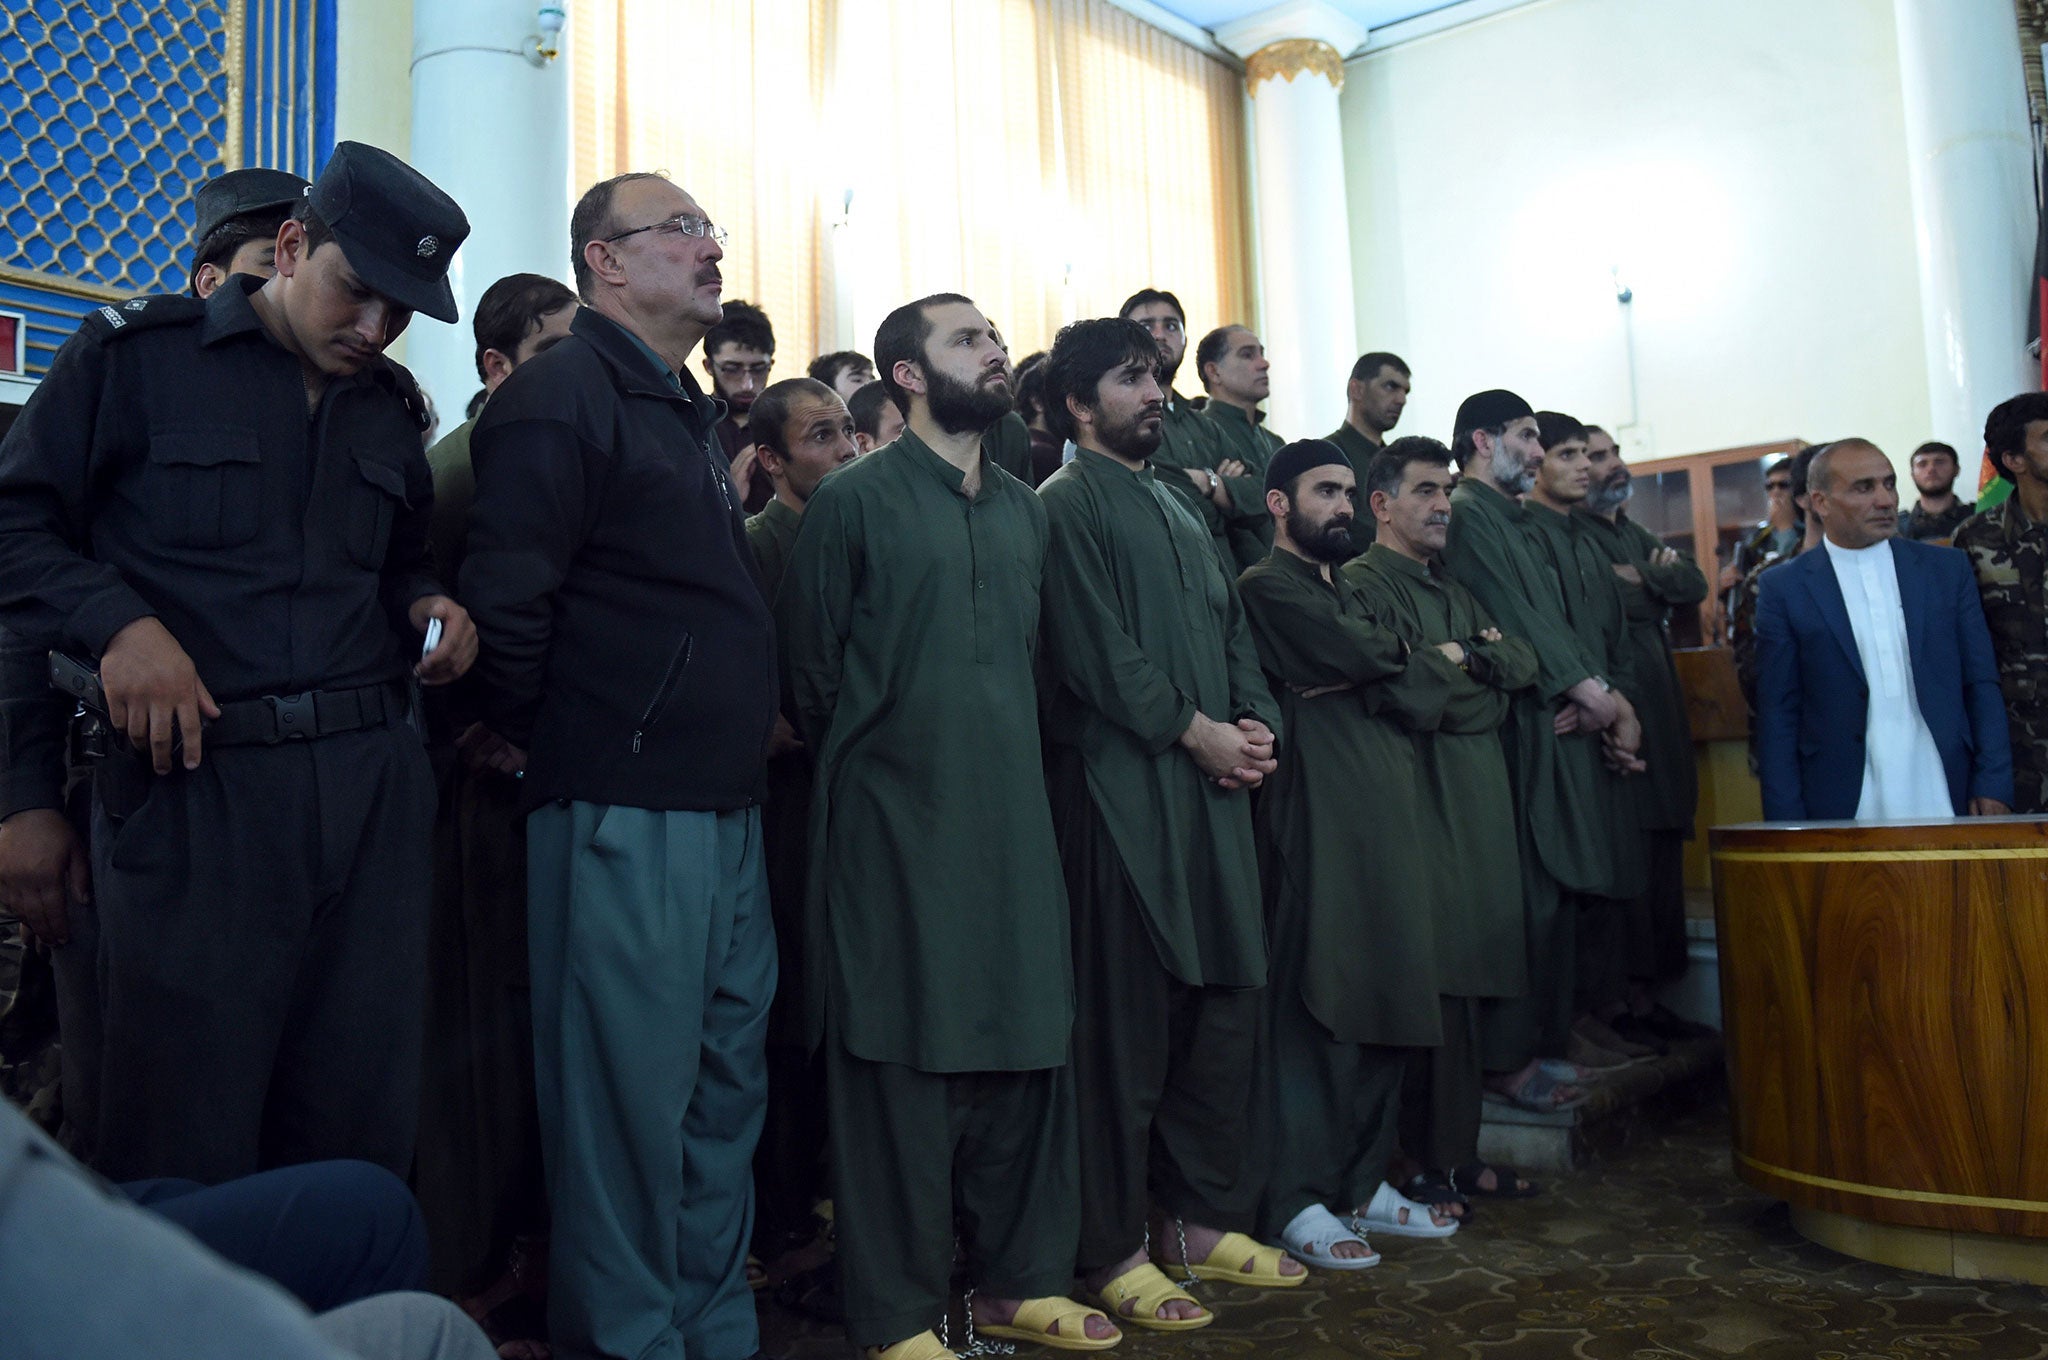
point(398, 231)
point(243, 191)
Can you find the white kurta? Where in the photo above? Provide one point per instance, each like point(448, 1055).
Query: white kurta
point(1903, 775)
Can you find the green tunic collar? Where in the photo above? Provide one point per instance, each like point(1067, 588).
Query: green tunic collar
point(1383, 558)
point(1223, 410)
point(1297, 565)
point(1102, 463)
point(952, 478)
point(1516, 512)
point(780, 515)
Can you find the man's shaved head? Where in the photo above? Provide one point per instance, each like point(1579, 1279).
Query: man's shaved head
point(1820, 472)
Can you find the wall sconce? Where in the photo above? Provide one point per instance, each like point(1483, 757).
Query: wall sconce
point(546, 45)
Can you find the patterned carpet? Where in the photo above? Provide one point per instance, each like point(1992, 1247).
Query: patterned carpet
point(1657, 1252)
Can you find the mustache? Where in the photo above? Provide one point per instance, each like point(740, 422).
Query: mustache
point(710, 275)
point(1439, 521)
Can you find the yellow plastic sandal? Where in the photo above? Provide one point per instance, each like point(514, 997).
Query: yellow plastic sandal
point(923, 1346)
point(1147, 1291)
point(1226, 1262)
point(1035, 1320)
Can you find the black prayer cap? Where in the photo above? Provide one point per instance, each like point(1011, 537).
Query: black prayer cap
point(243, 191)
point(397, 229)
point(1303, 455)
point(1489, 410)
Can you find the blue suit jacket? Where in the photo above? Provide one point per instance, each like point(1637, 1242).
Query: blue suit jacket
point(1813, 702)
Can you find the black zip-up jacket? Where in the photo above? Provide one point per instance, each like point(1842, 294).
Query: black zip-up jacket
point(626, 642)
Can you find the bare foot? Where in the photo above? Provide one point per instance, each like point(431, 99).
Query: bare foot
point(1512, 1084)
point(1002, 1312)
point(1201, 1241)
point(1436, 1216)
point(1173, 1310)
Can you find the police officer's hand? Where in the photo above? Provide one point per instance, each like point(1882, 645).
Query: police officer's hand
point(43, 871)
point(482, 749)
point(154, 694)
point(457, 649)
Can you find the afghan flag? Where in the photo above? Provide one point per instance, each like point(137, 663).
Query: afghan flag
point(1992, 488)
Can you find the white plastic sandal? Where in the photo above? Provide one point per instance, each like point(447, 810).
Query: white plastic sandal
point(1383, 1215)
point(1313, 1235)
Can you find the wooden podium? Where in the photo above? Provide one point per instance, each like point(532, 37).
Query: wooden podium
point(1885, 994)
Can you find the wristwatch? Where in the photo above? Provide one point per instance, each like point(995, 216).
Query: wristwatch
point(1214, 481)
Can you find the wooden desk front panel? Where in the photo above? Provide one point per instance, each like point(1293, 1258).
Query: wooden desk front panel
point(1885, 992)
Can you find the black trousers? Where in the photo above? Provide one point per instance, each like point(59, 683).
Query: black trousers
point(1443, 1092)
point(478, 1168)
point(261, 956)
point(1162, 1071)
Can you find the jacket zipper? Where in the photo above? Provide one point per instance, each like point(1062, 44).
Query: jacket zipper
point(677, 664)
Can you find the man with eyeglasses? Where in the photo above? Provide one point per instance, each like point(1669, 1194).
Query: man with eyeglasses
point(629, 651)
point(739, 352)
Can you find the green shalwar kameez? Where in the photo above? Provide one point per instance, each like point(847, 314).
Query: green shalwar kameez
point(1245, 437)
point(1668, 795)
point(936, 940)
point(1359, 452)
point(788, 1169)
point(1189, 439)
point(1143, 630)
point(1468, 814)
point(1560, 788)
point(1592, 601)
point(1347, 866)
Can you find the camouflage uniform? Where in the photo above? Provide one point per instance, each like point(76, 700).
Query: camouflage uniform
point(1742, 624)
point(2009, 553)
point(1917, 524)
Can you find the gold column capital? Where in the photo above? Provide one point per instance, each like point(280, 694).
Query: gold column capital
point(1289, 58)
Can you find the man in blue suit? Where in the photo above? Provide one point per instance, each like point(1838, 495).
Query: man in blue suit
point(1877, 689)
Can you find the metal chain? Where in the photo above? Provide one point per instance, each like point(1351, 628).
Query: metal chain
point(1180, 1229)
point(975, 1345)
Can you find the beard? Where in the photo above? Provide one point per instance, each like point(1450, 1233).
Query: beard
point(1509, 472)
point(1610, 495)
point(964, 408)
point(1129, 439)
point(1328, 542)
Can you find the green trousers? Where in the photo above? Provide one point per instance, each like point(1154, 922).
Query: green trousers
point(1442, 1091)
point(1163, 1072)
point(653, 961)
point(913, 1150)
point(1601, 951)
point(1657, 919)
point(1514, 1029)
point(1328, 1113)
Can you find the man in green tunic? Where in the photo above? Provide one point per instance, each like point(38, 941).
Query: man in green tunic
point(1655, 580)
point(1159, 722)
point(1190, 457)
point(1467, 809)
point(1599, 618)
point(1347, 860)
point(1373, 401)
point(938, 976)
point(801, 431)
point(1553, 737)
point(1235, 372)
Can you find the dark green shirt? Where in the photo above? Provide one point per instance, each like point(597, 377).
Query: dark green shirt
point(1346, 860)
point(1245, 437)
point(1668, 794)
point(1467, 801)
point(1189, 439)
point(936, 930)
point(771, 533)
point(1559, 781)
point(1143, 629)
point(1360, 451)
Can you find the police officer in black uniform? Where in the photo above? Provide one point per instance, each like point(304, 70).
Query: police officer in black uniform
point(223, 506)
point(45, 877)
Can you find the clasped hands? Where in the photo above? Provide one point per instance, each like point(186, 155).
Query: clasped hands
point(1235, 755)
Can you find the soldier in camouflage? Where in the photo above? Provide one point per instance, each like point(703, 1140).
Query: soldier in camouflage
point(2008, 548)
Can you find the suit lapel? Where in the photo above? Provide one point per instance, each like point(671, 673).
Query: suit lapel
point(1912, 598)
point(1826, 590)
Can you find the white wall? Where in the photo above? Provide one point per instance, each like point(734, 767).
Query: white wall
point(1744, 165)
point(373, 91)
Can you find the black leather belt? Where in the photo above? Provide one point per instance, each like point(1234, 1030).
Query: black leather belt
point(276, 718)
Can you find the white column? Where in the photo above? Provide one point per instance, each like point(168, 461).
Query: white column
point(1294, 66)
point(1969, 150)
point(492, 129)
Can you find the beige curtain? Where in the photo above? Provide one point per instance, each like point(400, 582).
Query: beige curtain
point(1045, 157)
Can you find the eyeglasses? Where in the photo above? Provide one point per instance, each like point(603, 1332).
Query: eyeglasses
point(683, 224)
point(734, 368)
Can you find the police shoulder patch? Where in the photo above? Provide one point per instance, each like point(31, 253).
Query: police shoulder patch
point(112, 322)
